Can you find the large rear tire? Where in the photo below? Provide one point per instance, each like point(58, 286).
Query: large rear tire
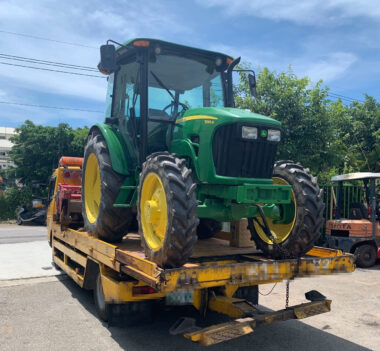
point(100, 188)
point(167, 210)
point(298, 230)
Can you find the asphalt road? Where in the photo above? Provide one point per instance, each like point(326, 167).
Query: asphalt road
point(21, 233)
point(53, 313)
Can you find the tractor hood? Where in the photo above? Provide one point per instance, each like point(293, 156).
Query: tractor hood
point(227, 115)
point(212, 138)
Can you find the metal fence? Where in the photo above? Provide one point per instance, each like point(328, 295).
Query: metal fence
point(351, 193)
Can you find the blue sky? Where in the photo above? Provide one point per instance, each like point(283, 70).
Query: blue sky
point(334, 40)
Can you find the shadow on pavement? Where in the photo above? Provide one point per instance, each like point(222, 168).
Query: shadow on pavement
point(290, 335)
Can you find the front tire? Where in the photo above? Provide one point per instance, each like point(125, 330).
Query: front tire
point(299, 228)
point(167, 210)
point(100, 188)
point(365, 255)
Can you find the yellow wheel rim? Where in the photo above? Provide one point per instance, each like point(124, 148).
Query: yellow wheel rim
point(92, 191)
point(279, 231)
point(153, 211)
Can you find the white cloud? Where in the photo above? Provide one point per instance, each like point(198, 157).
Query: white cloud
point(54, 83)
point(328, 68)
point(83, 22)
point(310, 12)
point(3, 94)
point(13, 117)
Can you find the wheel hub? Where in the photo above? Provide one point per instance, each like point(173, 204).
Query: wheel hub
point(92, 188)
point(152, 211)
point(153, 207)
point(282, 219)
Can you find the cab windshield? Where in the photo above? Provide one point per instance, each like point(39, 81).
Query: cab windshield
point(176, 84)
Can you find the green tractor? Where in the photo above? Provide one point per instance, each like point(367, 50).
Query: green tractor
point(177, 156)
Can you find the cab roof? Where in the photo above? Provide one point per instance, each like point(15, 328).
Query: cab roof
point(156, 43)
point(354, 176)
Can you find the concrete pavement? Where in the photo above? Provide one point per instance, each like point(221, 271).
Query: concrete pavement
point(24, 253)
point(20, 234)
point(26, 260)
point(59, 316)
point(53, 313)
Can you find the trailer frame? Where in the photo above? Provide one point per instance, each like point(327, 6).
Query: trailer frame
point(208, 281)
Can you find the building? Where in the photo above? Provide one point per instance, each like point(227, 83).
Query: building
point(5, 146)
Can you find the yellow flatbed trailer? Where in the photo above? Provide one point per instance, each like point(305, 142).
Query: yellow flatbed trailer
point(218, 278)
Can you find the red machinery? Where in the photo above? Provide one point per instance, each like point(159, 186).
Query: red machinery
point(68, 198)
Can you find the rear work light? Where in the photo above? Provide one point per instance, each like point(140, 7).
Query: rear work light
point(141, 43)
point(142, 290)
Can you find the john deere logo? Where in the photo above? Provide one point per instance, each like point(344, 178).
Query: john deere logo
point(263, 133)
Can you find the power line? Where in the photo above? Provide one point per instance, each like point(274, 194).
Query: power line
point(51, 70)
point(347, 98)
point(50, 107)
point(47, 39)
point(48, 63)
point(342, 96)
point(93, 69)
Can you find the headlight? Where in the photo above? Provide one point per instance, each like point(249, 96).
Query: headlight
point(249, 133)
point(274, 135)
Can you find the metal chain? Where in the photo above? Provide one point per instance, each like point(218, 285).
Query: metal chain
point(287, 294)
point(278, 248)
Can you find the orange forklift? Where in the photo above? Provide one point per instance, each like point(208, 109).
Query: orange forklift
point(360, 233)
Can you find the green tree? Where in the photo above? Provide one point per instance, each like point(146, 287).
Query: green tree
point(11, 199)
point(38, 149)
point(366, 133)
point(303, 111)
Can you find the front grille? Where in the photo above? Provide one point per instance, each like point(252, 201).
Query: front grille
point(242, 158)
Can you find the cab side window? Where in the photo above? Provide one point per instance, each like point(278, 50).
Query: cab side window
point(126, 92)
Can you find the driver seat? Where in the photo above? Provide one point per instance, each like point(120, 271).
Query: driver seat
point(358, 211)
point(158, 131)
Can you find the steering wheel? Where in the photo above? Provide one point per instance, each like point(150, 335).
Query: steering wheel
point(172, 104)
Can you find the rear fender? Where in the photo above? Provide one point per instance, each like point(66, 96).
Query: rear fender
point(114, 143)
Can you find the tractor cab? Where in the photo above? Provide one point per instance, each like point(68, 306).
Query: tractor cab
point(155, 86)
point(360, 232)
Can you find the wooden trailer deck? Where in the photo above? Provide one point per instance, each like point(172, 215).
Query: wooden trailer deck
point(214, 262)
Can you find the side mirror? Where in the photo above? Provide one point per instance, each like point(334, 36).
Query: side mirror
point(252, 84)
point(107, 63)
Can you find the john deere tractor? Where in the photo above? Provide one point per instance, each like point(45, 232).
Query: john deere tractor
point(177, 156)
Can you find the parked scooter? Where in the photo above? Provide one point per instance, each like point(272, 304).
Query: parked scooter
point(32, 214)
